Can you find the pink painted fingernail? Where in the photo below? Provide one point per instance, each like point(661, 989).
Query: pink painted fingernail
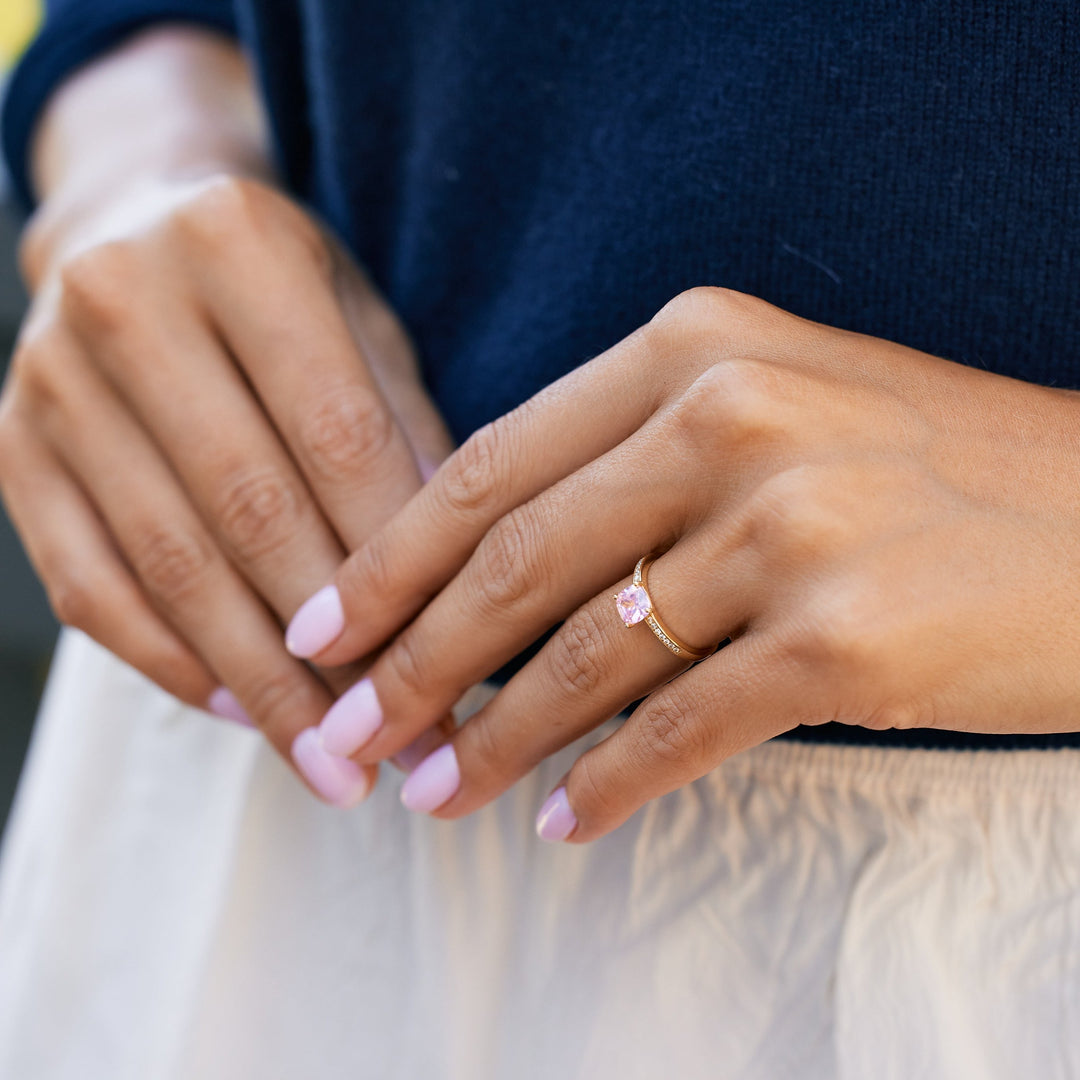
point(433, 781)
point(351, 721)
point(223, 703)
point(339, 781)
point(556, 820)
point(419, 748)
point(318, 623)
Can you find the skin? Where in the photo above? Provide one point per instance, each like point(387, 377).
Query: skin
point(209, 404)
point(887, 538)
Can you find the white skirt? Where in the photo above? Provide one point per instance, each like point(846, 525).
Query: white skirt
point(174, 906)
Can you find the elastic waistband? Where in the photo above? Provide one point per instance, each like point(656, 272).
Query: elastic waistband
point(1037, 771)
point(902, 768)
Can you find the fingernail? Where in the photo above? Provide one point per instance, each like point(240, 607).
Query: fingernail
point(419, 749)
point(339, 781)
point(351, 721)
point(556, 820)
point(223, 703)
point(427, 470)
point(433, 781)
point(318, 623)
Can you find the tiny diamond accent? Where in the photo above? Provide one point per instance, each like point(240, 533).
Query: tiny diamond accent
point(633, 604)
point(654, 626)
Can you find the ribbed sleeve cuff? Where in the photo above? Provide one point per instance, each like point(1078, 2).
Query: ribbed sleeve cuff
point(68, 39)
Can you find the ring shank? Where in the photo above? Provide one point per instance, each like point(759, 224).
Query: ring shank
point(656, 625)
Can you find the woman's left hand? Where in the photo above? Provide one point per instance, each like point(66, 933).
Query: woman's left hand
point(889, 539)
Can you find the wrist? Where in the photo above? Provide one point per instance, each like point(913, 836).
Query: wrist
point(172, 105)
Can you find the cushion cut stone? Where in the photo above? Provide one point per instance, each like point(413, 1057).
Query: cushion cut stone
point(633, 604)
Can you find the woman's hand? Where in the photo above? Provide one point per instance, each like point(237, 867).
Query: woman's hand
point(207, 407)
point(888, 539)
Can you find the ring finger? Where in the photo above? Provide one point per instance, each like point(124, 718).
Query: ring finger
point(592, 668)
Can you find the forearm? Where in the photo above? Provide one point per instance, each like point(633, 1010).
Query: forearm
point(172, 101)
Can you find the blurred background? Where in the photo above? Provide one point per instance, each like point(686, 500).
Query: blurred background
point(27, 630)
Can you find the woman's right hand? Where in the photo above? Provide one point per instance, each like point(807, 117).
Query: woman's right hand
point(191, 438)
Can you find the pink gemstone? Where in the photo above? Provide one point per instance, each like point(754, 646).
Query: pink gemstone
point(633, 604)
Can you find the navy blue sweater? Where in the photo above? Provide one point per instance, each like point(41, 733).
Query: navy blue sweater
point(528, 182)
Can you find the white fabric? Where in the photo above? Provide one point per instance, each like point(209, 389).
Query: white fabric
point(173, 906)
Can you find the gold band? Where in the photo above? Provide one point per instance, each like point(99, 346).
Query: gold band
point(663, 634)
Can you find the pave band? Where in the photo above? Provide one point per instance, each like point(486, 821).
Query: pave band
point(635, 605)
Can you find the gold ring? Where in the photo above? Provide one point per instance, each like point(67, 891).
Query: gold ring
point(635, 605)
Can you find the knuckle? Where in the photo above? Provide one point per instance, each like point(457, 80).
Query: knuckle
point(346, 433)
point(668, 731)
point(576, 652)
point(366, 573)
point(29, 356)
point(73, 600)
point(723, 315)
point(408, 665)
point(40, 372)
point(792, 512)
point(838, 634)
point(172, 565)
point(595, 791)
point(507, 559)
point(733, 404)
point(97, 286)
point(222, 209)
point(490, 755)
point(259, 512)
point(693, 303)
point(283, 698)
point(470, 480)
point(229, 213)
point(844, 639)
point(30, 366)
point(737, 311)
point(712, 299)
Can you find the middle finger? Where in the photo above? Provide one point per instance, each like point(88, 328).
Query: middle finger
point(316, 386)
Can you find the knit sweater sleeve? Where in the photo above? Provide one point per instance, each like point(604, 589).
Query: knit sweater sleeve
point(72, 33)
